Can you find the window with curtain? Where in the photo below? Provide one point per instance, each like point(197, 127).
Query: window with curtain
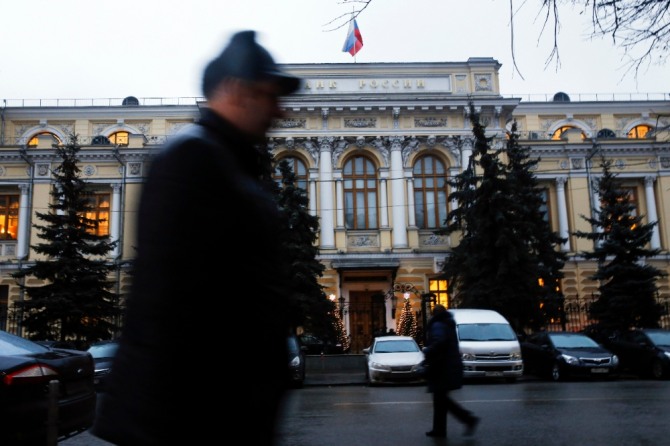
point(360, 193)
point(9, 216)
point(430, 192)
point(119, 138)
point(639, 131)
point(99, 203)
point(545, 207)
point(34, 140)
point(299, 170)
point(559, 132)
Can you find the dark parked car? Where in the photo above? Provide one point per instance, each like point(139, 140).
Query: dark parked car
point(103, 353)
point(296, 362)
point(561, 355)
point(27, 370)
point(644, 352)
point(317, 346)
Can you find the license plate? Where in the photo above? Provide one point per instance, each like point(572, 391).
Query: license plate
point(494, 374)
point(600, 371)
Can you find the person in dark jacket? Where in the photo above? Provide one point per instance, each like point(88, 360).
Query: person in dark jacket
point(445, 372)
point(207, 239)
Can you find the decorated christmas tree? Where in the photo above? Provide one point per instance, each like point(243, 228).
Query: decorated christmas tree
point(341, 333)
point(407, 322)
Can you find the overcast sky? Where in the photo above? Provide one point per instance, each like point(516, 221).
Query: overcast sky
point(69, 49)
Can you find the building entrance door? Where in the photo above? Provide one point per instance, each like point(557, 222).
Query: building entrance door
point(367, 318)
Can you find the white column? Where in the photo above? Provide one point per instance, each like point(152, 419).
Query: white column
point(466, 153)
point(398, 190)
point(24, 223)
point(339, 195)
point(411, 212)
point(651, 210)
point(562, 213)
point(326, 201)
point(115, 223)
point(312, 194)
point(384, 203)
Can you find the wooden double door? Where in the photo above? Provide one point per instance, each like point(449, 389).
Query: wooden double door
point(367, 318)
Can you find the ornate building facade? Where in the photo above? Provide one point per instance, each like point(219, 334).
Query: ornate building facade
point(373, 145)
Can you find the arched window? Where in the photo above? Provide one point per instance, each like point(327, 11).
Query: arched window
point(360, 193)
point(639, 131)
point(299, 170)
point(119, 138)
point(559, 132)
point(34, 141)
point(430, 192)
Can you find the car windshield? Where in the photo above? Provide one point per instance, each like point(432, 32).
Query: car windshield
point(568, 341)
point(103, 350)
point(660, 337)
point(396, 346)
point(486, 332)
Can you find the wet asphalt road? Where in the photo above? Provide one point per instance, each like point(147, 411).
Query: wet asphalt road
point(620, 412)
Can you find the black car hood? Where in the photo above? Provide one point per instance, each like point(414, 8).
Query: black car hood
point(586, 352)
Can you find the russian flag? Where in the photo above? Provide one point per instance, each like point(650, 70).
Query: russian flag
point(354, 41)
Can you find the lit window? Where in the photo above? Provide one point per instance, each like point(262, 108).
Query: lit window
point(639, 131)
point(559, 132)
point(430, 192)
point(439, 288)
point(98, 213)
point(9, 216)
point(119, 138)
point(35, 139)
point(360, 193)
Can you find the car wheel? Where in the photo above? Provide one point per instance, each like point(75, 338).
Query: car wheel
point(657, 371)
point(556, 372)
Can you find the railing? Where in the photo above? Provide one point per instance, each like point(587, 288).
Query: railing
point(100, 102)
point(131, 101)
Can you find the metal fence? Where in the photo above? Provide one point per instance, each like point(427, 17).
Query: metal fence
point(576, 317)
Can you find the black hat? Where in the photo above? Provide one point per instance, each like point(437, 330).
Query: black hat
point(244, 58)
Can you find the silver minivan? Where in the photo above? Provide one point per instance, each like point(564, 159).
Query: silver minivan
point(488, 344)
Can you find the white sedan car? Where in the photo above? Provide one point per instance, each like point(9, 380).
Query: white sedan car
point(393, 359)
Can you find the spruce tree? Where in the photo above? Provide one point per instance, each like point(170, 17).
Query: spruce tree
point(543, 243)
point(308, 306)
point(407, 325)
point(495, 264)
point(76, 301)
point(627, 285)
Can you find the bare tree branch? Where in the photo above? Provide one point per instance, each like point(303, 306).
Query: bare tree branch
point(641, 28)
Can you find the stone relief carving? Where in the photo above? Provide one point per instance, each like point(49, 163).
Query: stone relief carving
point(42, 170)
point(311, 148)
point(361, 241)
point(483, 82)
point(361, 123)
point(430, 122)
point(433, 240)
point(289, 123)
point(665, 162)
point(410, 147)
point(338, 149)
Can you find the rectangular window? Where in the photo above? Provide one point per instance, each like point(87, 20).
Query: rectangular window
point(439, 288)
point(99, 203)
point(9, 216)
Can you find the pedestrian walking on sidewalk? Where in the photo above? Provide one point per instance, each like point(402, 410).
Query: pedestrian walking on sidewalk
point(207, 188)
point(445, 373)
